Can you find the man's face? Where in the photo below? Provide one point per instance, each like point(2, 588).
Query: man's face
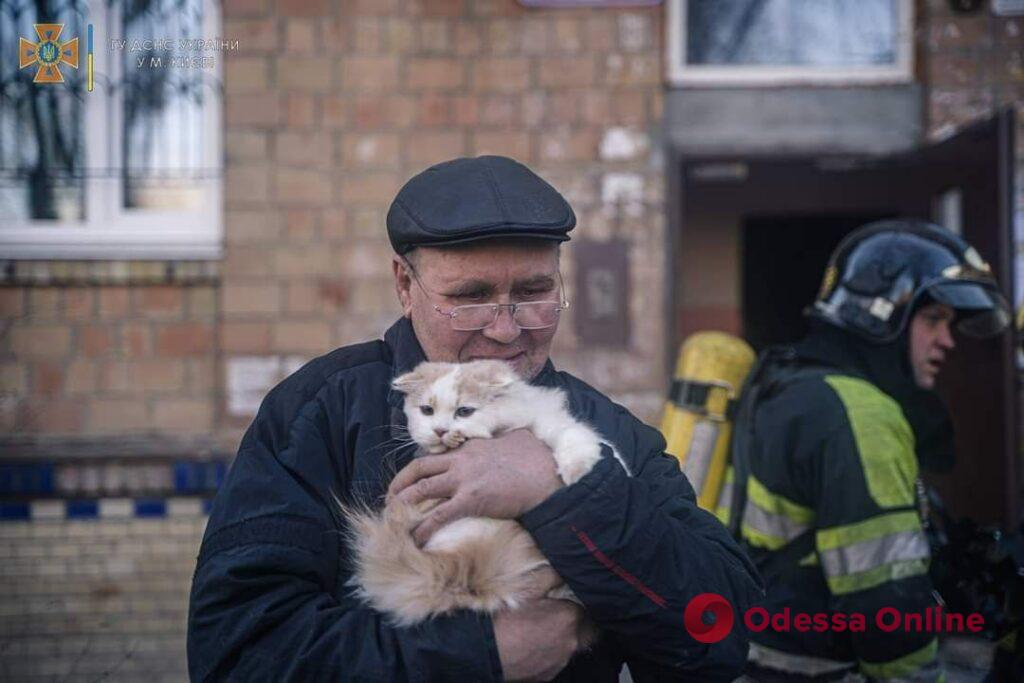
point(486, 272)
point(930, 341)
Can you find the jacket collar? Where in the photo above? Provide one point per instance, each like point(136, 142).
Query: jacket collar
point(406, 354)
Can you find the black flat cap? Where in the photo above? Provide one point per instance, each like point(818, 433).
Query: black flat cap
point(465, 200)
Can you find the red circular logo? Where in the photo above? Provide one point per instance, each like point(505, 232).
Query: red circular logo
point(719, 607)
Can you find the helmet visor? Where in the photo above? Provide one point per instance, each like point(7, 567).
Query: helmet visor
point(981, 309)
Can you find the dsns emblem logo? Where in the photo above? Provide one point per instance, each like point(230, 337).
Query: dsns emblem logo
point(49, 53)
point(708, 605)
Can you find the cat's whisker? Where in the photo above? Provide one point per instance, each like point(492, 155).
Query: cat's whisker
point(394, 451)
point(397, 443)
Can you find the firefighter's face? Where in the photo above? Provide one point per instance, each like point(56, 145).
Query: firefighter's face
point(480, 273)
point(931, 340)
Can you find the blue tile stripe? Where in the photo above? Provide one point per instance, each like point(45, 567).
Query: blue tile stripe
point(14, 511)
point(26, 478)
point(105, 508)
point(82, 509)
point(140, 478)
point(150, 508)
point(198, 476)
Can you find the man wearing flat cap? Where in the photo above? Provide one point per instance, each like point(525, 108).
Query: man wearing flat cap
point(476, 272)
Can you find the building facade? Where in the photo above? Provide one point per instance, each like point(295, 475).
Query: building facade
point(127, 377)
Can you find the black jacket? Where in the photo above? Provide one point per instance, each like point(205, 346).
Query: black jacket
point(832, 455)
point(269, 600)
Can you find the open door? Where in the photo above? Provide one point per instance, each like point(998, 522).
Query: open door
point(966, 183)
point(761, 229)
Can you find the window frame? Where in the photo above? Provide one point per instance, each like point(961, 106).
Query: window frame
point(680, 74)
point(110, 231)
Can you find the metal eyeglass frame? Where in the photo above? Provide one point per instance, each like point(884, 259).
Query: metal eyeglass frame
point(561, 305)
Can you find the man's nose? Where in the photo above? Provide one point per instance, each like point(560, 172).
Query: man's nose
point(504, 329)
point(945, 339)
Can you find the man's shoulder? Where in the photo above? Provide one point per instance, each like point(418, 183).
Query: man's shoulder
point(834, 402)
point(865, 402)
point(301, 386)
point(593, 405)
point(580, 391)
point(346, 358)
point(804, 403)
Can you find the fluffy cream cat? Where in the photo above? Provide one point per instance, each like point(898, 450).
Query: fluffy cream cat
point(473, 563)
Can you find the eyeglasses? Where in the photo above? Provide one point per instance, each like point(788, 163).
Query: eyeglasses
point(527, 315)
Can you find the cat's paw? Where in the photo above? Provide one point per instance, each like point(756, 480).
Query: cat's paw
point(572, 472)
point(454, 439)
point(576, 453)
point(436, 448)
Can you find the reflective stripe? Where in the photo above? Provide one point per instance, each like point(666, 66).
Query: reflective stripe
point(724, 507)
point(920, 665)
point(885, 442)
point(774, 503)
point(777, 526)
point(866, 555)
point(804, 664)
point(885, 548)
point(727, 492)
point(810, 560)
point(841, 585)
point(770, 520)
point(875, 527)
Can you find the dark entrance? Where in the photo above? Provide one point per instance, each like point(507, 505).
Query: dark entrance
point(770, 224)
point(783, 259)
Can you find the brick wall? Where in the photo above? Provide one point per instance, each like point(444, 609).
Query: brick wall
point(125, 356)
point(330, 107)
point(973, 64)
point(89, 600)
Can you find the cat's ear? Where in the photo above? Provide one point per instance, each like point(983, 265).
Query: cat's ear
point(419, 377)
point(495, 374)
point(409, 382)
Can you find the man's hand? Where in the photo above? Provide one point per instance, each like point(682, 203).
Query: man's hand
point(536, 641)
point(500, 478)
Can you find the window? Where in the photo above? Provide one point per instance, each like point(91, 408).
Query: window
point(130, 169)
point(781, 42)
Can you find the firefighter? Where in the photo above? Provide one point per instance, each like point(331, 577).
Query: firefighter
point(826, 446)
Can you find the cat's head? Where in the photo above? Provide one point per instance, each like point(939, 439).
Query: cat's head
point(447, 403)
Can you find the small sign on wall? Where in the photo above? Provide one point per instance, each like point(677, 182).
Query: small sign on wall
point(602, 293)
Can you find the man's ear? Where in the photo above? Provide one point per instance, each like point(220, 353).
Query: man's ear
point(403, 284)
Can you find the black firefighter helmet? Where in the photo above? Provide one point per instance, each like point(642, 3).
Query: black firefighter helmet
point(877, 275)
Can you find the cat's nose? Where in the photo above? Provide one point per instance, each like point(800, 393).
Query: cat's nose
point(440, 431)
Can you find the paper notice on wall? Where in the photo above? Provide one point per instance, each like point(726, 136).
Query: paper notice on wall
point(249, 380)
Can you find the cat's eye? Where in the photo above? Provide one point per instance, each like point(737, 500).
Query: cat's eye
point(426, 410)
point(464, 411)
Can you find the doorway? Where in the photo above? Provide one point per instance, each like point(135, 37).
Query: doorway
point(783, 258)
point(754, 235)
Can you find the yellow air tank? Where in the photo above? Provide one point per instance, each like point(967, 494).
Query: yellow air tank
point(697, 423)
